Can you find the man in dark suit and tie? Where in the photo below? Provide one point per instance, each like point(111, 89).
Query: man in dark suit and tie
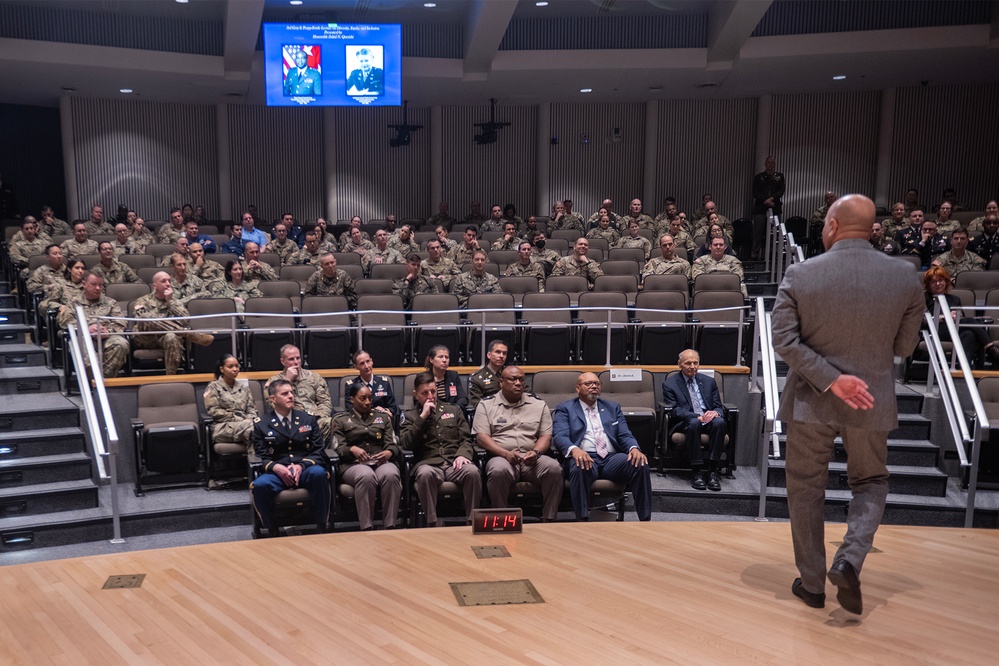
point(595, 442)
point(695, 400)
point(838, 322)
point(291, 446)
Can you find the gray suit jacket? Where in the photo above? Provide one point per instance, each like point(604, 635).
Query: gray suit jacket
point(847, 311)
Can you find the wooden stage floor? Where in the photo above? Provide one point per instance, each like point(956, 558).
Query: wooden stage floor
point(614, 593)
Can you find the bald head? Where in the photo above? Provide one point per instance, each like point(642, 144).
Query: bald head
point(850, 216)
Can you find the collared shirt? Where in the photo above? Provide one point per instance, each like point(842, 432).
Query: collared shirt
point(513, 426)
point(589, 442)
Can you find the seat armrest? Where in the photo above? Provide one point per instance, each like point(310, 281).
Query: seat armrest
point(137, 424)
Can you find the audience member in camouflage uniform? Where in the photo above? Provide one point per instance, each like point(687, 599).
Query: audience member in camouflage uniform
point(41, 276)
point(310, 253)
point(209, 271)
point(442, 216)
point(166, 335)
point(123, 243)
point(282, 246)
point(29, 245)
point(52, 225)
point(529, 229)
point(437, 265)
point(579, 264)
point(230, 404)
point(525, 266)
point(253, 268)
point(818, 218)
point(80, 244)
point(475, 281)
point(475, 215)
point(331, 281)
point(635, 240)
point(976, 225)
point(635, 213)
point(945, 223)
point(404, 243)
point(61, 290)
point(96, 225)
point(111, 270)
point(355, 223)
point(958, 259)
point(462, 253)
point(381, 253)
point(235, 287)
point(484, 382)
point(561, 220)
point(415, 282)
point(312, 394)
point(141, 236)
point(712, 216)
point(173, 229)
point(668, 263)
point(494, 221)
point(681, 238)
point(95, 304)
point(606, 206)
point(185, 285)
point(509, 240)
point(572, 218)
point(718, 262)
point(359, 246)
point(604, 230)
point(447, 243)
point(180, 246)
point(898, 221)
point(547, 257)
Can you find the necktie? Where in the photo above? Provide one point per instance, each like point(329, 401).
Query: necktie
point(599, 438)
point(286, 423)
point(695, 395)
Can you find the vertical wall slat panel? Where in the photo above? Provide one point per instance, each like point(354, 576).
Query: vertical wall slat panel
point(276, 161)
point(828, 142)
point(374, 179)
point(499, 173)
point(946, 136)
point(706, 146)
point(148, 156)
point(587, 166)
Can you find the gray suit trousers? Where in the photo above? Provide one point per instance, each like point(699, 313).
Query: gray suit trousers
point(809, 449)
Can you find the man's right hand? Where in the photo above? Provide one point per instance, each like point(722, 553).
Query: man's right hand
point(513, 457)
point(291, 374)
point(168, 293)
point(286, 476)
point(428, 408)
point(853, 391)
point(582, 458)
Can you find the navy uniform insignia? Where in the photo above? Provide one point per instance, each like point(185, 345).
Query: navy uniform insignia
point(256, 419)
point(378, 421)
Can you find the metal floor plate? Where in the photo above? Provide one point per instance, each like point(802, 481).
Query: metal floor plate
point(496, 593)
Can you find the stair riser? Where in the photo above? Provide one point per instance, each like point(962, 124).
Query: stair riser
point(897, 455)
point(48, 536)
point(13, 334)
point(905, 430)
point(43, 446)
point(8, 316)
point(29, 385)
point(35, 359)
point(49, 503)
point(40, 420)
point(8, 301)
point(54, 473)
point(901, 484)
point(910, 404)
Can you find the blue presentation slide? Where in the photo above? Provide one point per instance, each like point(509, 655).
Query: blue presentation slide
point(333, 64)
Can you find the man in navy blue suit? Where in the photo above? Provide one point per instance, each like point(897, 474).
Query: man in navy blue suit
point(595, 442)
point(695, 399)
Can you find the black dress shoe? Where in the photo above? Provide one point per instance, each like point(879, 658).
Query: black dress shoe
point(811, 599)
point(714, 483)
point(844, 576)
point(697, 483)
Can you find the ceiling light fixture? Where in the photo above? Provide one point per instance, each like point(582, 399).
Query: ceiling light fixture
point(181, 2)
point(541, 4)
point(295, 2)
point(429, 5)
point(586, 90)
point(127, 91)
point(839, 77)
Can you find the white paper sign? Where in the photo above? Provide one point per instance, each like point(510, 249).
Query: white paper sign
point(626, 375)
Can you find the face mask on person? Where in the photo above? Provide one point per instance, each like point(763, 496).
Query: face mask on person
point(539, 244)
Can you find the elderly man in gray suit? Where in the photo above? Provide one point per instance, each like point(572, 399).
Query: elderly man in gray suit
point(838, 321)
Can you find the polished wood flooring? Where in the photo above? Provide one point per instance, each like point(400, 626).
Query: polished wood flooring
point(615, 593)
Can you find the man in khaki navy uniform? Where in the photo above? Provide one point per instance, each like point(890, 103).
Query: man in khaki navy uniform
point(382, 394)
point(441, 442)
point(112, 270)
point(484, 382)
point(95, 304)
point(293, 452)
point(311, 393)
point(516, 429)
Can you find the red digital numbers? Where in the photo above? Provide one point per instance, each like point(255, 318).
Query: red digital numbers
point(510, 521)
point(503, 520)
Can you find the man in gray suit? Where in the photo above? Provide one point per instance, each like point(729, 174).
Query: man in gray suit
point(838, 321)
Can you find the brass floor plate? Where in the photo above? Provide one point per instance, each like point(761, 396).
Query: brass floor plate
point(486, 552)
point(122, 582)
point(496, 593)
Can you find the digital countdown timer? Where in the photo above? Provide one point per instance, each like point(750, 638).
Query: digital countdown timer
point(493, 521)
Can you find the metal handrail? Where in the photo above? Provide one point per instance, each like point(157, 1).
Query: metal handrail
point(981, 418)
point(113, 442)
point(771, 425)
